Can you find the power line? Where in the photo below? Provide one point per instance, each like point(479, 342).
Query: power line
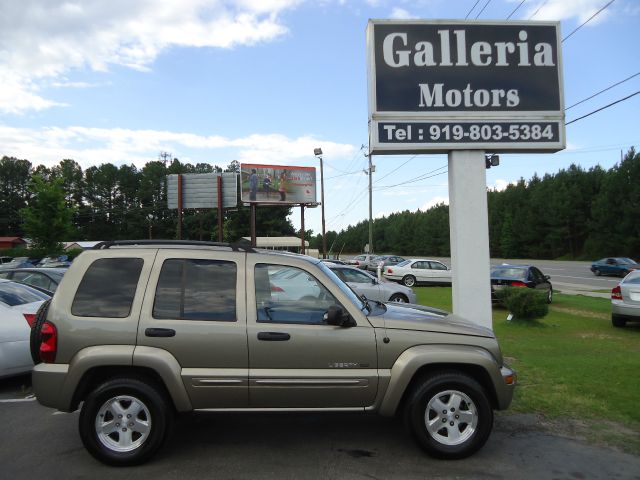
point(588, 20)
point(602, 108)
point(396, 169)
point(485, 6)
point(602, 91)
point(515, 9)
point(474, 6)
point(539, 8)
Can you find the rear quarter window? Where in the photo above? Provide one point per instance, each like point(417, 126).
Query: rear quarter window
point(108, 288)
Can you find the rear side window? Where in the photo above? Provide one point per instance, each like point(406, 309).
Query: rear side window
point(194, 289)
point(108, 288)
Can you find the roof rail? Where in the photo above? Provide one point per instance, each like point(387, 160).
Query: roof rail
point(236, 247)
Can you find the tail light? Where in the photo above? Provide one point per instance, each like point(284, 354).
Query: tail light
point(616, 293)
point(518, 284)
point(275, 288)
point(48, 343)
point(389, 270)
point(30, 318)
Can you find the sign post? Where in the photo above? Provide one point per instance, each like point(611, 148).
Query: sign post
point(463, 88)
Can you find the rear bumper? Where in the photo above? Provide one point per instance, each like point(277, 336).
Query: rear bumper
point(622, 309)
point(48, 381)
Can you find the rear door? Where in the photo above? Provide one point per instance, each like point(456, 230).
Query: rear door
point(195, 310)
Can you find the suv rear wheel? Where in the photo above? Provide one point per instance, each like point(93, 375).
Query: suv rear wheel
point(450, 415)
point(124, 421)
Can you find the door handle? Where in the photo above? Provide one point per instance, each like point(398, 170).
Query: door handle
point(160, 332)
point(274, 336)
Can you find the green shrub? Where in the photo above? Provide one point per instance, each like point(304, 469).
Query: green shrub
point(524, 303)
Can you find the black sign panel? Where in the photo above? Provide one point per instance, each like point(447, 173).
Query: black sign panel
point(452, 71)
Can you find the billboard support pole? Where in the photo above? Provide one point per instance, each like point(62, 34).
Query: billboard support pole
point(469, 233)
point(302, 234)
point(179, 207)
point(253, 224)
point(220, 210)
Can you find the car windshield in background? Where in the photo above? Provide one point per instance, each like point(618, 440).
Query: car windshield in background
point(511, 272)
point(343, 286)
point(402, 264)
point(626, 260)
point(15, 294)
point(633, 278)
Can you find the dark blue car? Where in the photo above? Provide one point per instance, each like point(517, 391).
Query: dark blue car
point(618, 266)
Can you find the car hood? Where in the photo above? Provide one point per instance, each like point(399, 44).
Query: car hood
point(426, 319)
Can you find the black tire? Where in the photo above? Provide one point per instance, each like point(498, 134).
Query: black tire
point(597, 272)
point(408, 280)
point(35, 337)
point(618, 321)
point(150, 409)
point(399, 297)
point(469, 401)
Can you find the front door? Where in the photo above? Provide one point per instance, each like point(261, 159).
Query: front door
point(296, 360)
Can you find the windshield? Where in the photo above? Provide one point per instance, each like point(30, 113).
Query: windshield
point(402, 264)
point(626, 260)
point(343, 286)
point(509, 272)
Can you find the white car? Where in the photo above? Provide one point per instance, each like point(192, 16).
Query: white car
point(419, 270)
point(18, 306)
point(363, 283)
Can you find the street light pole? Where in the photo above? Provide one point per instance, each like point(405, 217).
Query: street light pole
point(318, 153)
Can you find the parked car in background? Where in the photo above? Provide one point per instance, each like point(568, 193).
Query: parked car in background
point(18, 306)
point(385, 260)
point(618, 266)
point(334, 261)
point(17, 262)
point(417, 271)
point(625, 300)
point(361, 261)
point(527, 276)
point(363, 283)
point(54, 262)
point(4, 260)
point(44, 279)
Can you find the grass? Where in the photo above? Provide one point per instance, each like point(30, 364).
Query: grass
point(572, 365)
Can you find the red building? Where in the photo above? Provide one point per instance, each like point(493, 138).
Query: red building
point(11, 242)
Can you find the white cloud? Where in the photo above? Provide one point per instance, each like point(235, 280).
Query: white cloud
point(433, 202)
point(500, 185)
point(42, 39)
point(400, 14)
point(93, 146)
point(564, 10)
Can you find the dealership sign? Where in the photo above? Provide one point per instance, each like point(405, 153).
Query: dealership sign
point(276, 184)
point(446, 85)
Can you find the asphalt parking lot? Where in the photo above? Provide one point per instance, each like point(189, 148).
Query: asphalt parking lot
point(37, 442)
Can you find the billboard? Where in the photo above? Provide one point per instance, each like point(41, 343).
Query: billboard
point(200, 190)
point(445, 85)
point(277, 184)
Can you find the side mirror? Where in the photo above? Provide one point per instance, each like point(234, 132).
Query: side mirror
point(547, 277)
point(337, 317)
point(374, 281)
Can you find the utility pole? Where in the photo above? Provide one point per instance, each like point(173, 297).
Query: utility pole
point(164, 157)
point(372, 168)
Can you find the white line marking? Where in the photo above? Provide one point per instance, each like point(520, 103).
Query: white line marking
point(18, 400)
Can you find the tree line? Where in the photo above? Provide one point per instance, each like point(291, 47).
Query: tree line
point(574, 214)
point(108, 202)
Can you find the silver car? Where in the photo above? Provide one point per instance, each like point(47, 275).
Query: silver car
point(18, 306)
point(625, 300)
point(363, 283)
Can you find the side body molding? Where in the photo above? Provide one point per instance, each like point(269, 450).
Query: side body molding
point(414, 358)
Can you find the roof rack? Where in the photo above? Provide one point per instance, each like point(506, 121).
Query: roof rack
point(236, 247)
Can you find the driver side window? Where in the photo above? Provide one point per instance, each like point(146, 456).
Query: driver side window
point(290, 295)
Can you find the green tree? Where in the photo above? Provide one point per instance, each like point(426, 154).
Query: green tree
point(47, 219)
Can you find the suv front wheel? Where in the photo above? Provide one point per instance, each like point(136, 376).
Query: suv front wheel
point(124, 421)
point(449, 415)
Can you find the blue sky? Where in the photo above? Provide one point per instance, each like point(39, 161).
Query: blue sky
point(267, 81)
